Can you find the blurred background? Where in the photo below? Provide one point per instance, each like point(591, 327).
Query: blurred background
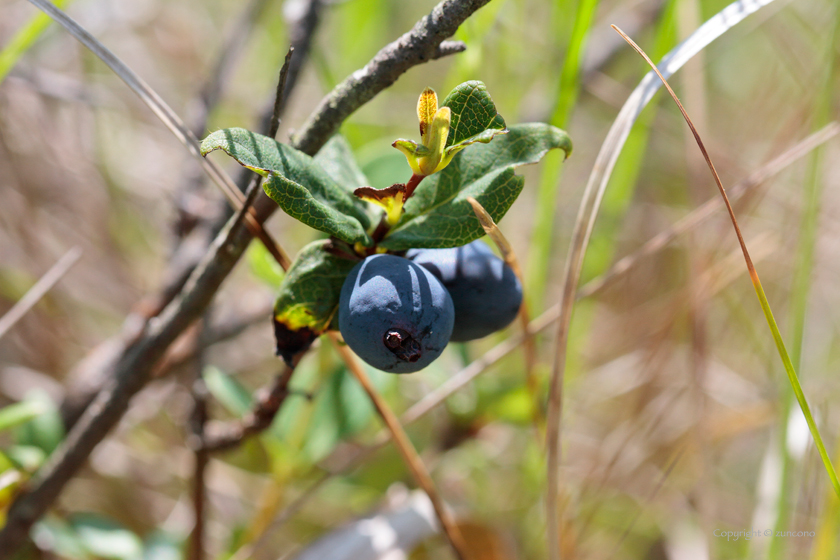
point(678, 423)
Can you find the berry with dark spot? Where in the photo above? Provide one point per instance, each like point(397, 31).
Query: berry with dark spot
point(485, 291)
point(394, 314)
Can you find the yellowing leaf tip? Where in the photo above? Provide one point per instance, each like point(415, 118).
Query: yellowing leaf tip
point(427, 106)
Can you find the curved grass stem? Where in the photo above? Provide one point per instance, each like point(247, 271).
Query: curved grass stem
point(759, 290)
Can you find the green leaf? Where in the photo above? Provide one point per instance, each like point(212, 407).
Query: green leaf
point(227, 390)
point(46, 430)
point(308, 297)
point(473, 112)
point(161, 545)
point(20, 413)
point(342, 409)
point(296, 183)
point(25, 457)
point(336, 158)
point(439, 216)
point(105, 538)
point(263, 265)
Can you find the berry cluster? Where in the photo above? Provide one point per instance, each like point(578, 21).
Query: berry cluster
point(398, 314)
point(394, 275)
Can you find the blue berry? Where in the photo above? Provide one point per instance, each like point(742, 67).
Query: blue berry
point(485, 291)
point(394, 314)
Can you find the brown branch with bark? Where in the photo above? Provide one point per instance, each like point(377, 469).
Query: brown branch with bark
point(134, 366)
point(91, 374)
point(220, 436)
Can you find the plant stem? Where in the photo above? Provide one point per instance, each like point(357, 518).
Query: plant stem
point(406, 449)
point(759, 290)
point(412, 184)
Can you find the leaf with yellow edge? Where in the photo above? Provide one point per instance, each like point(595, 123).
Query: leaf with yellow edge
point(389, 199)
point(308, 297)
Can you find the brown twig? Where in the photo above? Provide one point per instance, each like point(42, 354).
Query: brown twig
point(201, 457)
point(274, 125)
point(406, 449)
point(280, 95)
point(165, 113)
point(493, 231)
point(39, 290)
point(220, 436)
point(301, 32)
point(268, 405)
point(133, 368)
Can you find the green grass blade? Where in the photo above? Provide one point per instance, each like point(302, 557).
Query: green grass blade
point(23, 40)
point(568, 88)
point(800, 290)
point(762, 298)
point(794, 382)
point(828, 532)
point(20, 413)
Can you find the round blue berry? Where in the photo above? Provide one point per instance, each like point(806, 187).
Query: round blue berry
point(394, 314)
point(485, 291)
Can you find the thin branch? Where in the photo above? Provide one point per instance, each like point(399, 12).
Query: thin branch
point(39, 290)
point(222, 436)
point(274, 125)
point(169, 118)
point(133, 368)
point(200, 460)
point(280, 95)
point(302, 27)
point(270, 400)
point(406, 449)
point(492, 230)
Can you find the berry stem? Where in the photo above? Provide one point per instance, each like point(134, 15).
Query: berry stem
point(406, 449)
point(412, 184)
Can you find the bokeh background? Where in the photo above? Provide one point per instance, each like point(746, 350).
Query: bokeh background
point(678, 420)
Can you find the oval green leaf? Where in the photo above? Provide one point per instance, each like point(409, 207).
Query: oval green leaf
point(296, 183)
point(439, 216)
point(473, 112)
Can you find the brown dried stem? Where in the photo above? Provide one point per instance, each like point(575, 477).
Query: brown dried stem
point(530, 348)
point(133, 368)
point(223, 436)
point(406, 449)
point(39, 290)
